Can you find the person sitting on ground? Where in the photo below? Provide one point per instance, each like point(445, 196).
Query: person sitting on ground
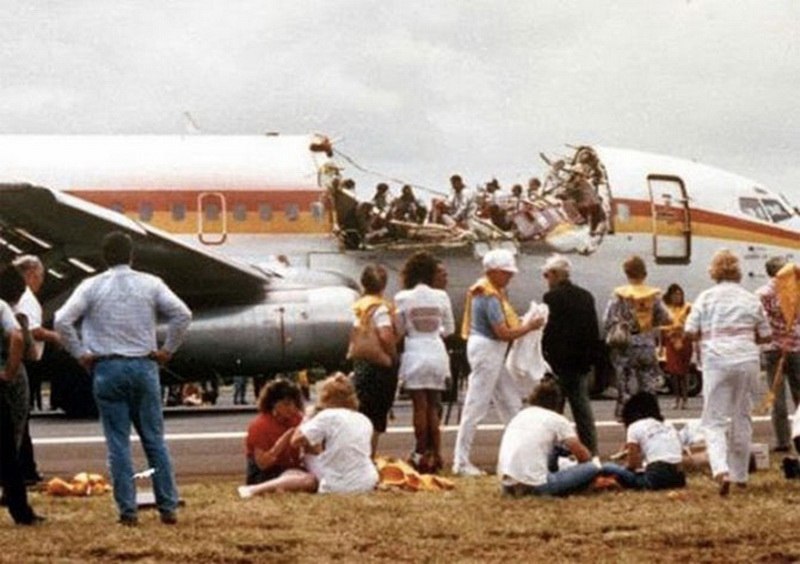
point(650, 442)
point(269, 455)
point(529, 442)
point(336, 440)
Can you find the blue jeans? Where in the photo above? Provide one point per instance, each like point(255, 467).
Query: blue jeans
point(127, 392)
point(657, 476)
point(560, 483)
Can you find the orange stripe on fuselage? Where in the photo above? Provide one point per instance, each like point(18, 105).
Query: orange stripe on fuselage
point(287, 210)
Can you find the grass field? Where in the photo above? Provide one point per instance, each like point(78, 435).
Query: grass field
point(473, 523)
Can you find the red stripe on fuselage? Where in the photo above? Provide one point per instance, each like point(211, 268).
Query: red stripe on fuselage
point(642, 208)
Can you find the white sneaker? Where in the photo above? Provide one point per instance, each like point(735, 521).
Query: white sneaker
point(467, 469)
point(244, 492)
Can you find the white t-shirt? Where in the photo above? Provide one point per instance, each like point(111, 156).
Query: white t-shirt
point(29, 306)
point(658, 441)
point(527, 442)
point(345, 465)
point(424, 315)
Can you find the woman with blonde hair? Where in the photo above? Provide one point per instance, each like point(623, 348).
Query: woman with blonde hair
point(337, 440)
point(730, 323)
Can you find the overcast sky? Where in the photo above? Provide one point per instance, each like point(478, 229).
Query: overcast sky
point(421, 89)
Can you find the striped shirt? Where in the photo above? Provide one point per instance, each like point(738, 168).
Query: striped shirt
point(728, 318)
point(783, 337)
point(118, 311)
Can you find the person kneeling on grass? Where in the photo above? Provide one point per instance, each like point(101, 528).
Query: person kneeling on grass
point(530, 442)
point(652, 442)
point(337, 443)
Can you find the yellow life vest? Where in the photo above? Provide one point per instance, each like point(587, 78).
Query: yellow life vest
point(365, 305)
point(678, 314)
point(787, 285)
point(484, 287)
point(642, 298)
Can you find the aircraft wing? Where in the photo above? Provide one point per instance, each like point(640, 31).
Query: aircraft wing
point(66, 233)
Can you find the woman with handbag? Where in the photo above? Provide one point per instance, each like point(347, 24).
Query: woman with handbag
point(373, 350)
point(424, 318)
point(638, 308)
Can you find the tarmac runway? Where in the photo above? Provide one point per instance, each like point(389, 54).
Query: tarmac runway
point(210, 441)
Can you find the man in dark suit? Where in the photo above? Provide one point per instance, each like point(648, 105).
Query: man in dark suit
point(570, 342)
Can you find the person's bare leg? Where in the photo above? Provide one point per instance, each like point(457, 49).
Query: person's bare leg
point(434, 432)
point(419, 400)
point(293, 480)
point(374, 442)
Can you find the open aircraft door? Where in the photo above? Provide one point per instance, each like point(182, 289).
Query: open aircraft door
point(212, 218)
point(672, 228)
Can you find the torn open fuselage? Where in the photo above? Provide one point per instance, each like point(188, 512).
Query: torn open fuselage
point(568, 213)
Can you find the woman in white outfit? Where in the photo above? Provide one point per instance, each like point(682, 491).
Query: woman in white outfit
point(424, 317)
point(730, 323)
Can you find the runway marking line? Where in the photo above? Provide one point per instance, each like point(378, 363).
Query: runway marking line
point(241, 434)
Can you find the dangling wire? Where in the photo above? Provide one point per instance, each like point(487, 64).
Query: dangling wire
point(345, 157)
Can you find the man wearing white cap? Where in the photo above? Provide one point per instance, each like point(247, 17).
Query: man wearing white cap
point(490, 323)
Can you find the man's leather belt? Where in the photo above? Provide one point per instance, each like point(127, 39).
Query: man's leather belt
point(104, 357)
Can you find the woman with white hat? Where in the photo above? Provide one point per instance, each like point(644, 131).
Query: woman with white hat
point(490, 323)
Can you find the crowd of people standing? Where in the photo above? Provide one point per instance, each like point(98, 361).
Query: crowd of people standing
point(108, 325)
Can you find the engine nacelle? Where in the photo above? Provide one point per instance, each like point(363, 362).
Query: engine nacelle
point(293, 328)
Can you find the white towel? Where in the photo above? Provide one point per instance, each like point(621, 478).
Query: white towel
point(525, 361)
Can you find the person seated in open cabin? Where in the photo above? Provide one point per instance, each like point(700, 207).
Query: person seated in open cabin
point(514, 204)
point(459, 205)
point(534, 189)
point(407, 207)
point(382, 199)
point(496, 213)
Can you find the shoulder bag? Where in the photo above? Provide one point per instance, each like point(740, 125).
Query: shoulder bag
point(365, 344)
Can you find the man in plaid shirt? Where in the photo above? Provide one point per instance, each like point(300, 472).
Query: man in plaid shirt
point(784, 339)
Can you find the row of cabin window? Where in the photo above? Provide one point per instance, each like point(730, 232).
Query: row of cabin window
point(212, 211)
